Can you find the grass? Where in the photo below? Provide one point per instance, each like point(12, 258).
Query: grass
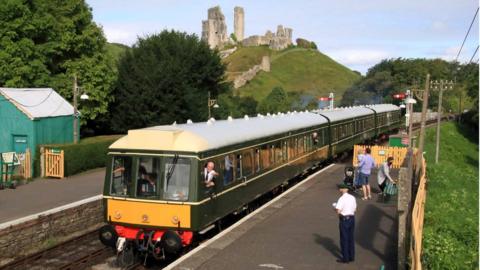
point(115, 51)
point(294, 69)
point(450, 236)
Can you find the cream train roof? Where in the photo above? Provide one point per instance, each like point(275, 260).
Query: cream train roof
point(199, 137)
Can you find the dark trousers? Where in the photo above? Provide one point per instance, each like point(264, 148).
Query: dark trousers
point(382, 186)
point(347, 239)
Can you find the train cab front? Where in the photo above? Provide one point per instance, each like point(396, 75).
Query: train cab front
point(146, 204)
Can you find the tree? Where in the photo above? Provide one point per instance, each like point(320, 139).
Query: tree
point(235, 106)
point(164, 78)
point(44, 43)
point(276, 101)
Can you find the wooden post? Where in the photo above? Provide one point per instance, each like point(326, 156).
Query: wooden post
point(422, 127)
point(42, 162)
point(439, 119)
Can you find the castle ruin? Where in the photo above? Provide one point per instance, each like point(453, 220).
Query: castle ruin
point(214, 32)
point(214, 29)
point(238, 23)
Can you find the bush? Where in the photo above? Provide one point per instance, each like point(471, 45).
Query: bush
point(89, 153)
point(303, 43)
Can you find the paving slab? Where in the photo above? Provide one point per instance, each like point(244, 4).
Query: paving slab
point(44, 194)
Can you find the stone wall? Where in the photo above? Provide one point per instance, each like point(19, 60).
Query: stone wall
point(34, 235)
point(251, 73)
point(278, 41)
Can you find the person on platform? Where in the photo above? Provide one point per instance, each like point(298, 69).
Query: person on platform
point(384, 174)
point(365, 168)
point(345, 208)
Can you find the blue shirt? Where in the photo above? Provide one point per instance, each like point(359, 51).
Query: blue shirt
point(366, 164)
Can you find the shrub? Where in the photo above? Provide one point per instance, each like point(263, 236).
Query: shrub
point(89, 153)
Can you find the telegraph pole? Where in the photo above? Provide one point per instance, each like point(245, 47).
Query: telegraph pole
point(75, 119)
point(442, 85)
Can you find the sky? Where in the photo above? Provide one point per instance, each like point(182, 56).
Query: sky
point(355, 33)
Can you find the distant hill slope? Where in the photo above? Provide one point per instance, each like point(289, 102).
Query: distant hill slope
point(295, 69)
point(115, 50)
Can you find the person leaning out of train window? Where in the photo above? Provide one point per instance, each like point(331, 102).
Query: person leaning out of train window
point(384, 174)
point(209, 174)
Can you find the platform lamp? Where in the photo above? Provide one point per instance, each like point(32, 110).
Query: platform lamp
point(84, 96)
point(410, 101)
point(211, 103)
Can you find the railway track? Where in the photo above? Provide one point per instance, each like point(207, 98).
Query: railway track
point(78, 253)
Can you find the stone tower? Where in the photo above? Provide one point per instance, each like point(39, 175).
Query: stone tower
point(239, 23)
point(214, 29)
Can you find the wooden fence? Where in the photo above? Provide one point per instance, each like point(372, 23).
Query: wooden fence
point(417, 220)
point(54, 163)
point(381, 153)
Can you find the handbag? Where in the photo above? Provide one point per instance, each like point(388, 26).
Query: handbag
point(391, 188)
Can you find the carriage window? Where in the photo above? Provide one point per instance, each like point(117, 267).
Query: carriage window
point(247, 164)
point(257, 160)
point(238, 169)
point(121, 175)
point(300, 145)
point(177, 179)
point(305, 144)
point(277, 148)
point(285, 151)
point(291, 148)
point(265, 157)
point(148, 176)
point(228, 169)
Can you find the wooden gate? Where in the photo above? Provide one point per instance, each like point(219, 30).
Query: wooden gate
point(54, 163)
point(381, 153)
point(25, 168)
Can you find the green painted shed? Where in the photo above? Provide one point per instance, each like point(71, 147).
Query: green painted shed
point(33, 116)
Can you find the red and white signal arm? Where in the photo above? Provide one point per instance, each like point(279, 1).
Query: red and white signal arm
point(324, 99)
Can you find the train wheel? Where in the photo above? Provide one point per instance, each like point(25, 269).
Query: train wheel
point(108, 236)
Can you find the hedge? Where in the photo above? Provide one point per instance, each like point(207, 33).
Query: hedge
point(89, 153)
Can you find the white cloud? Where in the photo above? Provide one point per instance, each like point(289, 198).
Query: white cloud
point(450, 53)
point(359, 56)
point(119, 35)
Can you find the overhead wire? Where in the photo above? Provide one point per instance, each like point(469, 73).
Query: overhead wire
point(468, 32)
point(474, 53)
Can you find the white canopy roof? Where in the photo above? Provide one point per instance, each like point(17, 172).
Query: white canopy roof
point(38, 102)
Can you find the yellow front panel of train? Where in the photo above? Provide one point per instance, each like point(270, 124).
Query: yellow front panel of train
point(148, 213)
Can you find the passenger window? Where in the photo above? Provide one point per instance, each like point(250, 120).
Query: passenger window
point(121, 175)
point(291, 148)
point(177, 179)
point(228, 170)
point(300, 145)
point(148, 177)
point(239, 167)
point(247, 164)
point(257, 160)
point(278, 153)
point(265, 157)
point(285, 151)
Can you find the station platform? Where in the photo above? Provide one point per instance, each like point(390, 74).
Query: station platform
point(299, 230)
point(45, 194)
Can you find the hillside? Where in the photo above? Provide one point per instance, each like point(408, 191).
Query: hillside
point(115, 50)
point(295, 69)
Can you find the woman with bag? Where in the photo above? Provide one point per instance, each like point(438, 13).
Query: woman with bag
point(385, 182)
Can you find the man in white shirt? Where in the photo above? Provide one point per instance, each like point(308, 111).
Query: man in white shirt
point(345, 208)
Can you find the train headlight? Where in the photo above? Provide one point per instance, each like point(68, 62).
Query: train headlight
point(145, 218)
point(117, 215)
point(175, 220)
